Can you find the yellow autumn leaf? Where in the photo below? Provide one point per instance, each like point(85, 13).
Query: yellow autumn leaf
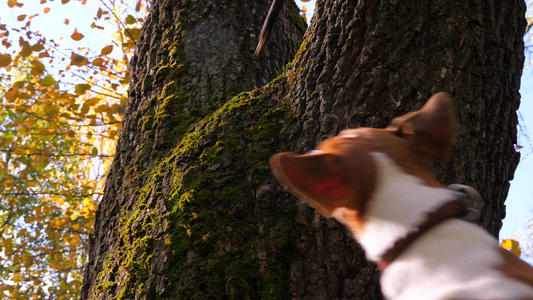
point(130, 20)
point(74, 216)
point(92, 101)
point(37, 68)
point(58, 200)
point(27, 260)
point(47, 81)
point(48, 209)
point(5, 60)
point(26, 50)
point(78, 60)
point(98, 62)
point(17, 277)
point(73, 241)
point(94, 151)
point(86, 201)
point(37, 47)
point(135, 33)
point(23, 131)
point(93, 25)
point(21, 18)
point(30, 122)
point(54, 264)
point(81, 88)
point(102, 109)
point(507, 244)
point(11, 94)
point(46, 10)
point(107, 50)
point(76, 35)
point(8, 183)
point(512, 245)
point(19, 151)
point(52, 109)
point(8, 243)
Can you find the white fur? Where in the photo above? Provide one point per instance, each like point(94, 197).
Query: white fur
point(399, 204)
point(454, 259)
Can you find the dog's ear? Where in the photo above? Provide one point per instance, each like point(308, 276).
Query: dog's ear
point(432, 129)
point(317, 179)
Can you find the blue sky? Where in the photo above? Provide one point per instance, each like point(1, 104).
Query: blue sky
point(520, 200)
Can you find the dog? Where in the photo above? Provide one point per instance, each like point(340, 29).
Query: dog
point(379, 184)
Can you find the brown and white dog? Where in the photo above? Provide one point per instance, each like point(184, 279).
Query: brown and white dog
point(379, 183)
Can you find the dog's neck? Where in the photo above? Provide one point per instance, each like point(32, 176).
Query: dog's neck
point(400, 203)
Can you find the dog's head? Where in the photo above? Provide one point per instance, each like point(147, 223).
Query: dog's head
point(342, 172)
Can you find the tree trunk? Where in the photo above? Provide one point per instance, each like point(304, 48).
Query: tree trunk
point(191, 210)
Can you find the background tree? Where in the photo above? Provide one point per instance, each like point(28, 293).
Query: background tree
point(61, 108)
point(190, 208)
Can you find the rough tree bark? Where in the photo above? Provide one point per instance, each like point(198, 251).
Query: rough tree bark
point(191, 210)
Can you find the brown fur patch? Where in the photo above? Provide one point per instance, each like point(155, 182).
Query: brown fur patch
point(344, 174)
point(516, 268)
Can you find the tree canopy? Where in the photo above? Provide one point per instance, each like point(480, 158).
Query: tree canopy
point(62, 104)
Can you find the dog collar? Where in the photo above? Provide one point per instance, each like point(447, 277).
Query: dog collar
point(452, 209)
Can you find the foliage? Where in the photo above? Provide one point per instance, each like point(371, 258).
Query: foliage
point(512, 245)
point(62, 103)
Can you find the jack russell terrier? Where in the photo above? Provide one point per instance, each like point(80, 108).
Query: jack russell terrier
point(379, 184)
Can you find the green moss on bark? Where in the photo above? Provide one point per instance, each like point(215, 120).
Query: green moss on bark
point(212, 201)
point(212, 210)
point(184, 203)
